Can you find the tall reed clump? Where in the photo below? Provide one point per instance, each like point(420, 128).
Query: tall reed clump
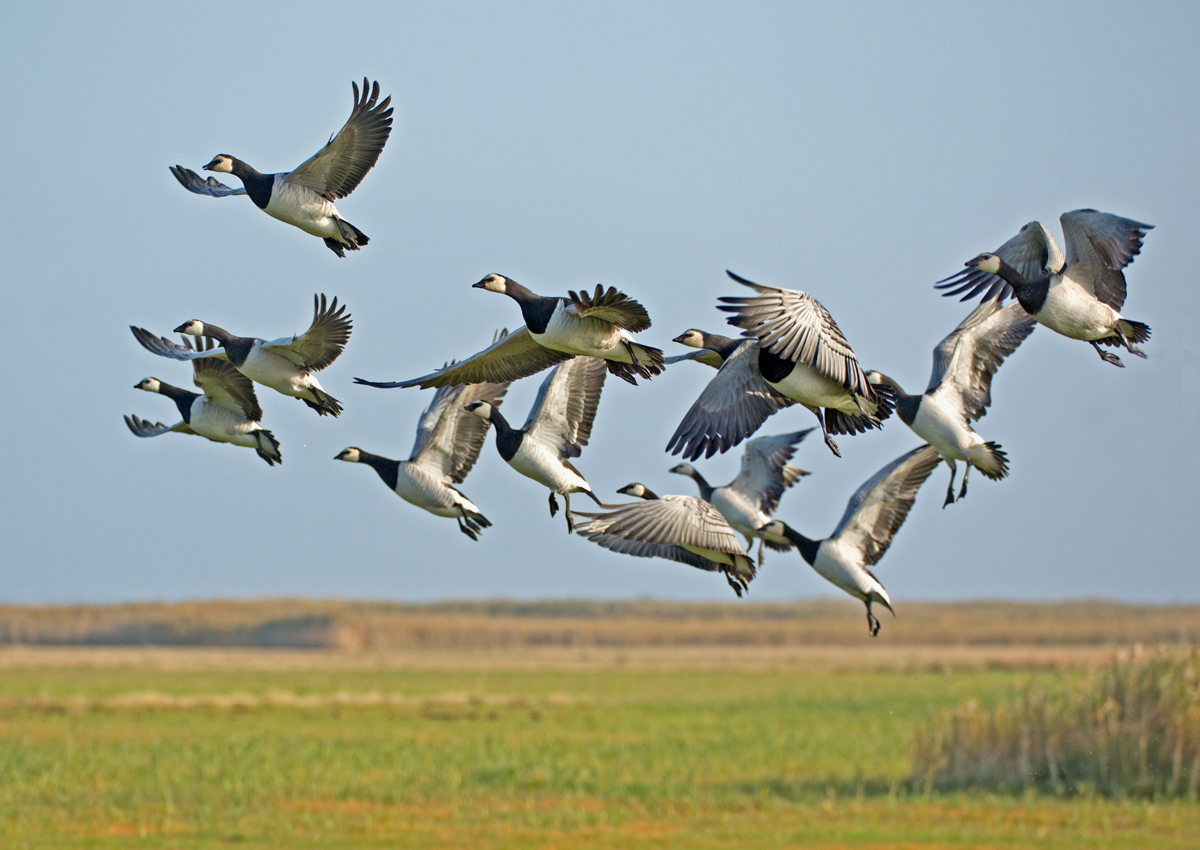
point(1132, 729)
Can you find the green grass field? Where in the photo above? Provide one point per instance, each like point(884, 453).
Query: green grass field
point(139, 755)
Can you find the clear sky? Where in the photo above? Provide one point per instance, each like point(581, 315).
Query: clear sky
point(856, 151)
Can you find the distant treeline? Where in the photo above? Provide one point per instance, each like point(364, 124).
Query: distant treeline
point(347, 625)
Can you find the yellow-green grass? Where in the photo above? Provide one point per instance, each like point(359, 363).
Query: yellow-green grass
point(137, 755)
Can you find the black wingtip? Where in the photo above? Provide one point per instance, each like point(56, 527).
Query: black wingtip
point(383, 385)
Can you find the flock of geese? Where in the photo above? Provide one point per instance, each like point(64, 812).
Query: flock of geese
point(789, 352)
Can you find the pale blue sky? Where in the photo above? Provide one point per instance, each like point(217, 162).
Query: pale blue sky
point(856, 151)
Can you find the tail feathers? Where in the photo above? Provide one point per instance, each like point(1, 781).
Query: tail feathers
point(990, 460)
point(740, 574)
point(1135, 332)
point(650, 362)
point(352, 239)
point(839, 422)
point(325, 403)
point(268, 447)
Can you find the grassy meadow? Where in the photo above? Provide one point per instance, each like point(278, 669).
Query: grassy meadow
point(513, 746)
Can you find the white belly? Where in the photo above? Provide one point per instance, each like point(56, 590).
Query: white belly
point(302, 208)
point(583, 335)
point(280, 374)
point(419, 487)
point(945, 429)
point(1074, 313)
point(742, 514)
point(222, 425)
point(809, 387)
point(841, 568)
point(545, 467)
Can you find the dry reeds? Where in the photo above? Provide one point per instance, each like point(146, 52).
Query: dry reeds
point(1130, 729)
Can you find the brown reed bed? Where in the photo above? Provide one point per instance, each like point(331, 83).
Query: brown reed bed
point(1129, 729)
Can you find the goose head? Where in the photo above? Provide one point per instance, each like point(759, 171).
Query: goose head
point(692, 338)
point(989, 263)
point(193, 328)
point(482, 409)
point(222, 163)
point(350, 455)
point(877, 378)
point(493, 283)
point(640, 491)
point(683, 469)
point(150, 385)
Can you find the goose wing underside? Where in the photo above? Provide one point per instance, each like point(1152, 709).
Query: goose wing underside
point(966, 361)
point(1101, 244)
point(764, 473)
point(146, 428)
point(163, 347)
point(336, 169)
point(731, 407)
point(566, 403)
point(700, 355)
point(516, 356)
point(880, 506)
point(669, 521)
point(212, 187)
point(449, 438)
point(224, 385)
point(1032, 252)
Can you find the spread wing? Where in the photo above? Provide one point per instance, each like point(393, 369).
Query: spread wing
point(793, 325)
point(336, 169)
point(224, 385)
point(163, 347)
point(193, 182)
point(449, 438)
point(565, 407)
point(765, 472)
point(1099, 245)
point(965, 362)
point(144, 428)
point(324, 340)
point(880, 506)
point(669, 521)
point(611, 306)
point(700, 355)
point(1032, 252)
point(515, 356)
point(732, 407)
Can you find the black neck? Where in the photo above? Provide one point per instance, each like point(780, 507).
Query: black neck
point(808, 547)
point(536, 310)
point(258, 186)
point(183, 399)
point(723, 345)
point(1030, 293)
point(906, 405)
point(508, 439)
point(389, 470)
point(706, 489)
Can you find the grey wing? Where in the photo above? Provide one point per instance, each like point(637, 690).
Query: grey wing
point(145, 428)
point(324, 340)
point(566, 403)
point(163, 347)
point(225, 386)
point(700, 355)
point(965, 362)
point(1032, 252)
point(765, 472)
point(732, 407)
point(611, 306)
point(1099, 245)
point(336, 169)
point(449, 438)
point(672, 521)
point(193, 182)
point(516, 356)
point(880, 506)
point(793, 325)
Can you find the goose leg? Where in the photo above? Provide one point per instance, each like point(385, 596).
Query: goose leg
point(734, 583)
point(761, 547)
point(825, 431)
point(1129, 346)
point(567, 513)
point(1108, 356)
point(466, 529)
point(966, 474)
point(553, 504)
point(872, 620)
point(950, 489)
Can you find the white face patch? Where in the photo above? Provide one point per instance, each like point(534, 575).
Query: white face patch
point(989, 263)
point(222, 164)
point(481, 409)
point(691, 338)
point(350, 455)
point(493, 283)
point(150, 385)
point(195, 328)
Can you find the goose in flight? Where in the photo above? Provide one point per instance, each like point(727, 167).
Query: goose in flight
point(678, 528)
point(227, 412)
point(750, 500)
point(1078, 294)
point(960, 389)
point(873, 516)
point(795, 352)
point(558, 427)
point(447, 446)
point(710, 349)
point(286, 365)
point(555, 330)
point(304, 197)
